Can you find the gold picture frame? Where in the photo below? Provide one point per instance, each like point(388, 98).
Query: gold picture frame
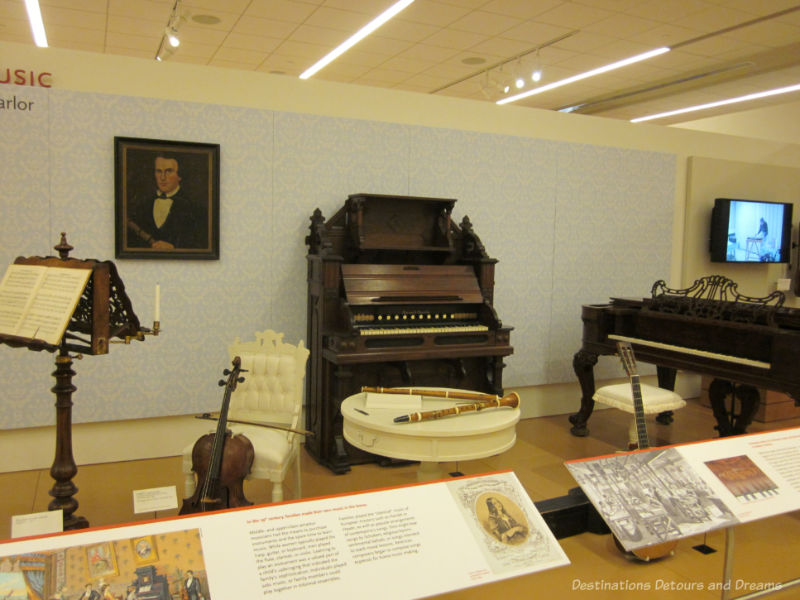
point(101, 560)
point(144, 550)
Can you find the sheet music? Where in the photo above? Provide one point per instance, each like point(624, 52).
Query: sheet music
point(37, 301)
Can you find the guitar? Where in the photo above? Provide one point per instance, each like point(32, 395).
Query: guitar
point(221, 460)
point(663, 549)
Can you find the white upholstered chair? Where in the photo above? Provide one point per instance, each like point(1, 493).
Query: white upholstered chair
point(272, 392)
point(654, 400)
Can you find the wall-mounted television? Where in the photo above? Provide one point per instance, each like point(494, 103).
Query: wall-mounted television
point(750, 231)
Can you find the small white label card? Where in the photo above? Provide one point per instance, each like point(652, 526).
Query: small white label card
point(49, 521)
point(401, 401)
point(154, 499)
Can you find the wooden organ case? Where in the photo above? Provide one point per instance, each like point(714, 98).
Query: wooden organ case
point(398, 295)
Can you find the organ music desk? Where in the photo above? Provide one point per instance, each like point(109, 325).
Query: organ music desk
point(710, 328)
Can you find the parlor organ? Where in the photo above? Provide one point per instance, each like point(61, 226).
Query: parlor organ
point(398, 295)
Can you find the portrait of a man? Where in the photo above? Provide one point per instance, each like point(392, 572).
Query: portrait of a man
point(167, 203)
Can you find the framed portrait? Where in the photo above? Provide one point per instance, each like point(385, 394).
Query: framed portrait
point(101, 561)
point(144, 550)
point(166, 199)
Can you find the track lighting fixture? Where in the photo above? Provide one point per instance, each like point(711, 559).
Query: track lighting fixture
point(169, 39)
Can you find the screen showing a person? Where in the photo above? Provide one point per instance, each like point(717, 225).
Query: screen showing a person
point(755, 231)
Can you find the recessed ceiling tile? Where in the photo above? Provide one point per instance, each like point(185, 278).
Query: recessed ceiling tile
point(521, 9)
point(133, 26)
point(133, 42)
point(714, 18)
point(267, 27)
point(383, 46)
point(310, 52)
point(99, 6)
point(499, 48)
point(343, 20)
point(485, 23)
point(573, 15)
point(319, 35)
point(158, 10)
point(76, 36)
point(125, 51)
point(769, 34)
point(255, 43)
point(72, 18)
point(246, 57)
point(209, 6)
point(280, 10)
point(534, 33)
point(460, 40)
point(433, 54)
point(433, 13)
point(621, 26)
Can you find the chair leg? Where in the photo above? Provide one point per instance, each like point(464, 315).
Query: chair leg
point(299, 490)
point(277, 491)
point(633, 436)
point(189, 484)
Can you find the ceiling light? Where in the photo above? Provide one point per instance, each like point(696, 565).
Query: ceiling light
point(37, 25)
point(355, 38)
point(610, 67)
point(519, 83)
point(755, 96)
point(172, 37)
point(536, 75)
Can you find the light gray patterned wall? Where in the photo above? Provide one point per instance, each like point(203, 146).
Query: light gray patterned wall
point(569, 223)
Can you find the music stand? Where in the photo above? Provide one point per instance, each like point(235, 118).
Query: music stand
point(103, 312)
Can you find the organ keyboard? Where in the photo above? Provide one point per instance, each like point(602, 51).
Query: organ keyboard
point(745, 343)
point(399, 295)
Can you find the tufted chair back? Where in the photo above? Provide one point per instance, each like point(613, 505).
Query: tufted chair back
point(273, 382)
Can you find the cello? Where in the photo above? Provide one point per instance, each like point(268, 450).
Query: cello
point(221, 460)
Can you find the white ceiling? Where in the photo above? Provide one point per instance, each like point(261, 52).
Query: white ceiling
point(721, 48)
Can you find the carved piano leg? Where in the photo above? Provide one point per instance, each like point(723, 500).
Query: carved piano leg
point(583, 363)
point(729, 422)
point(666, 380)
point(749, 400)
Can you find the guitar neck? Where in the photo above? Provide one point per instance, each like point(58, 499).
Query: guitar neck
point(638, 411)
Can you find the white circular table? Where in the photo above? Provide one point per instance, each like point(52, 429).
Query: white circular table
point(468, 436)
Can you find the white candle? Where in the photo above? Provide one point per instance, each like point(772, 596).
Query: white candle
point(158, 303)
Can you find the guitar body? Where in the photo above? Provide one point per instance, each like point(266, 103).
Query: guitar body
point(648, 553)
point(221, 460)
point(663, 549)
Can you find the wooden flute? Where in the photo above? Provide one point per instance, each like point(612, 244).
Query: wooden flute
point(485, 401)
point(455, 394)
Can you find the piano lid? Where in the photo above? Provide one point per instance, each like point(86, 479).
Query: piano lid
point(410, 284)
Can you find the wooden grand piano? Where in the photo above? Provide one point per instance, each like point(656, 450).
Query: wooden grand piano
point(398, 295)
point(743, 342)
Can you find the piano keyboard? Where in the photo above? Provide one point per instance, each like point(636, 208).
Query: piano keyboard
point(684, 350)
point(417, 330)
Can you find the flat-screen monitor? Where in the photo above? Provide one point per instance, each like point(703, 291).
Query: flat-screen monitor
point(750, 231)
